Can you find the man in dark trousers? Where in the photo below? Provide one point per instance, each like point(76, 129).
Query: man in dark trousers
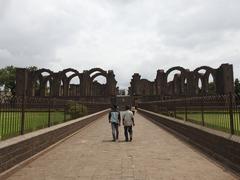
point(128, 122)
point(114, 118)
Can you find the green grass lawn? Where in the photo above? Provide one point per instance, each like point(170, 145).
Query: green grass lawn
point(10, 122)
point(216, 120)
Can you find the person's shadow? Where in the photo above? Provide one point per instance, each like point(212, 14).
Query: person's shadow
point(110, 141)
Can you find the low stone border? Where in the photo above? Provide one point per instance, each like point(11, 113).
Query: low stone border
point(223, 147)
point(16, 150)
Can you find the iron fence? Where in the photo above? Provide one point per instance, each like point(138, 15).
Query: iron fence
point(19, 115)
point(221, 112)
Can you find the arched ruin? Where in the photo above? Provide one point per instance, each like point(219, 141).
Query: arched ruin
point(185, 83)
point(58, 84)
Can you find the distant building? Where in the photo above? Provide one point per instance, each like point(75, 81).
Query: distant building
point(122, 101)
point(122, 92)
point(4, 93)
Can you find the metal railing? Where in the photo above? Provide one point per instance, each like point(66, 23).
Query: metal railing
point(19, 115)
point(221, 112)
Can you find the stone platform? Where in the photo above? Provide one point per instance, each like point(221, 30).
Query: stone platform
point(153, 154)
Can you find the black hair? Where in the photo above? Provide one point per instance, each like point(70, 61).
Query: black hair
point(114, 107)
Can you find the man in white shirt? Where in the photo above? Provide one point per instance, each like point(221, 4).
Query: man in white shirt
point(128, 122)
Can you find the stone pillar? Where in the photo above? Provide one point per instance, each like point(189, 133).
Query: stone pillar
point(86, 84)
point(135, 84)
point(191, 91)
point(160, 82)
point(73, 90)
point(224, 79)
point(56, 85)
point(42, 88)
point(66, 87)
point(111, 84)
point(21, 81)
point(30, 85)
point(177, 84)
point(204, 85)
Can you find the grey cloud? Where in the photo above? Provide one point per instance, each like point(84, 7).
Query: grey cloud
point(4, 4)
point(127, 35)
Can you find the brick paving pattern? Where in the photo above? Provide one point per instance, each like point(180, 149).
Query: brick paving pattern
point(153, 154)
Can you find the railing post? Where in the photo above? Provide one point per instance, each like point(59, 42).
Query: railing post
point(231, 113)
point(186, 109)
point(64, 109)
point(161, 107)
point(49, 112)
point(202, 110)
point(75, 108)
point(175, 109)
point(53, 109)
point(1, 119)
point(82, 108)
point(22, 114)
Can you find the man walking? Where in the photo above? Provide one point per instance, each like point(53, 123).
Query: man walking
point(128, 122)
point(114, 118)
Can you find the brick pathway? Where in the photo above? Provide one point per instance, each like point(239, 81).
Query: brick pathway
point(154, 154)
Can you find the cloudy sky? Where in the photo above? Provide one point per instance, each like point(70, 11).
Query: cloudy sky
point(124, 35)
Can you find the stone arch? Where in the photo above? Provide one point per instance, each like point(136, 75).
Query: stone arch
point(199, 85)
point(176, 87)
point(98, 74)
point(61, 77)
point(59, 81)
point(61, 88)
point(205, 77)
point(207, 68)
point(97, 88)
point(211, 86)
point(69, 70)
point(38, 86)
point(179, 68)
point(75, 75)
point(198, 78)
point(93, 70)
point(40, 71)
point(45, 81)
point(75, 90)
point(63, 74)
point(184, 85)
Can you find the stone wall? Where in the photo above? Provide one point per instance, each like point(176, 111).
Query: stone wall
point(185, 82)
point(219, 145)
point(16, 150)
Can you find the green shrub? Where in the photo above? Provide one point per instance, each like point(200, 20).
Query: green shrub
point(75, 110)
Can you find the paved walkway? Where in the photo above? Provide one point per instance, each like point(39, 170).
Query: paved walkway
point(154, 154)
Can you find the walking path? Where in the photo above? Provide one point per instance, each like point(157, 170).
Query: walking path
point(153, 154)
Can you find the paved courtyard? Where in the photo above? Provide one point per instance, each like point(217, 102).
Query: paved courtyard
point(153, 154)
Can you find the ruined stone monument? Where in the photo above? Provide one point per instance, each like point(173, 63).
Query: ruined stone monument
point(185, 82)
point(44, 82)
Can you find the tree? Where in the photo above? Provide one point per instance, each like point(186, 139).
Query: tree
point(8, 77)
point(237, 87)
point(32, 68)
